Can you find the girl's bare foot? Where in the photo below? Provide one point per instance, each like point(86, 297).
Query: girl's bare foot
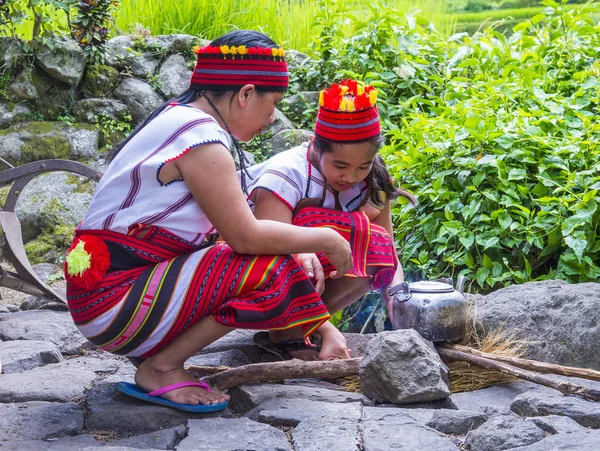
point(152, 375)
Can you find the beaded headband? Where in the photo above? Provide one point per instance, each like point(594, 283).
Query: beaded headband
point(347, 113)
point(231, 67)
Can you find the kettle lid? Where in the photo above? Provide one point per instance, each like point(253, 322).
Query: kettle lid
point(427, 286)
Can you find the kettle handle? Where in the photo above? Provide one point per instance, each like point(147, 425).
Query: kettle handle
point(460, 283)
point(401, 287)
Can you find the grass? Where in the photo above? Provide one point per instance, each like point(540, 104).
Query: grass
point(472, 21)
point(288, 22)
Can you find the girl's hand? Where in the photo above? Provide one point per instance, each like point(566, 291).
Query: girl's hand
point(333, 345)
point(340, 255)
point(314, 270)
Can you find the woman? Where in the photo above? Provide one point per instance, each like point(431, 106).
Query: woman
point(144, 275)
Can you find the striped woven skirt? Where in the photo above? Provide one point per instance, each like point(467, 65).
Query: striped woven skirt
point(158, 285)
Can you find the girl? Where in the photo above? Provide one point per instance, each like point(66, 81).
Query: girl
point(145, 277)
point(335, 180)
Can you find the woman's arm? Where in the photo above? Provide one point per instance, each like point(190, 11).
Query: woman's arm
point(209, 172)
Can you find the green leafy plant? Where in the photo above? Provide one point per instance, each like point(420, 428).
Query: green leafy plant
point(90, 27)
point(113, 131)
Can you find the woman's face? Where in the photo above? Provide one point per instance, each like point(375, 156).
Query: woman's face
point(257, 113)
point(347, 164)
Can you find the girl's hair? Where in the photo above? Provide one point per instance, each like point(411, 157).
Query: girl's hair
point(378, 179)
point(248, 38)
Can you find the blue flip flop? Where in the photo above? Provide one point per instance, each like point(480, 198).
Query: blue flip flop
point(154, 396)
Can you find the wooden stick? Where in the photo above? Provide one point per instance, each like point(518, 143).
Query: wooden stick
point(565, 387)
point(533, 365)
point(289, 369)
point(205, 370)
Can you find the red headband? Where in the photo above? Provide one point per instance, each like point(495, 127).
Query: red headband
point(347, 113)
point(231, 67)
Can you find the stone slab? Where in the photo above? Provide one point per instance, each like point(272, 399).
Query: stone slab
point(75, 443)
point(503, 432)
point(232, 357)
point(22, 355)
point(456, 422)
point(290, 412)
point(38, 420)
point(44, 325)
point(491, 398)
point(232, 435)
point(165, 439)
point(585, 440)
point(248, 396)
point(555, 424)
point(534, 404)
point(49, 383)
point(110, 410)
point(332, 435)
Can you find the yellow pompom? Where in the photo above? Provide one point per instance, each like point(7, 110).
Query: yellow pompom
point(350, 105)
point(233, 50)
point(360, 89)
point(373, 97)
point(78, 260)
point(322, 98)
point(242, 49)
point(344, 89)
point(224, 49)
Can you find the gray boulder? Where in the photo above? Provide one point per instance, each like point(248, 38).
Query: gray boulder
point(560, 320)
point(576, 441)
point(64, 62)
point(296, 104)
point(456, 422)
point(32, 141)
point(296, 59)
point(22, 355)
point(165, 439)
point(287, 139)
point(99, 81)
point(50, 200)
point(402, 367)
point(89, 110)
point(29, 84)
point(175, 43)
point(281, 123)
point(139, 96)
point(10, 112)
point(503, 432)
point(11, 51)
point(143, 64)
point(174, 76)
point(555, 424)
point(55, 102)
point(119, 52)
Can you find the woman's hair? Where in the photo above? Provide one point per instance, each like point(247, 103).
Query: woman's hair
point(378, 179)
point(248, 38)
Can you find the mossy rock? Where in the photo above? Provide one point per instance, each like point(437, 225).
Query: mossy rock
point(99, 81)
point(58, 101)
point(51, 245)
point(32, 141)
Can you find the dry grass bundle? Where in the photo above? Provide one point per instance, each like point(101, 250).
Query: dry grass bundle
point(465, 376)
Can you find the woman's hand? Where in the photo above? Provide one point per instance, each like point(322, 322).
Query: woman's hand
point(333, 343)
point(340, 255)
point(314, 270)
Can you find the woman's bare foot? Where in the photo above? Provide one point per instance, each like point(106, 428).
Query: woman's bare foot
point(152, 375)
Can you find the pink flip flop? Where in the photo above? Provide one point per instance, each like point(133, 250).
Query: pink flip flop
point(154, 396)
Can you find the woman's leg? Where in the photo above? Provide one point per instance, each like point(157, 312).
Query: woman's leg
point(166, 366)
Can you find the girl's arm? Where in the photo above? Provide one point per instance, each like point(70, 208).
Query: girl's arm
point(209, 172)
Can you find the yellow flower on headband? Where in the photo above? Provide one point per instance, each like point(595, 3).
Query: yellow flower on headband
point(373, 96)
point(224, 49)
point(233, 50)
point(242, 49)
point(347, 104)
point(344, 89)
point(322, 98)
point(360, 89)
point(278, 52)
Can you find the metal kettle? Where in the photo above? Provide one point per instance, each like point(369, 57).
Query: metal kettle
point(433, 308)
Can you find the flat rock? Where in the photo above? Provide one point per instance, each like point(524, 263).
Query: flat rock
point(554, 424)
point(110, 410)
point(232, 435)
point(402, 367)
point(395, 429)
point(534, 404)
point(240, 339)
point(398, 415)
point(492, 399)
point(248, 396)
point(503, 432)
point(290, 412)
point(48, 383)
point(165, 439)
point(456, 422)
point(584, 440)
point(44, 325)
point(332, 435)
point(37, 420)
point(101, 363)
point(75, 443)
point(22, 355)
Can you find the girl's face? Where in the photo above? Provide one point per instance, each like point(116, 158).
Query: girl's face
point(347, 164)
